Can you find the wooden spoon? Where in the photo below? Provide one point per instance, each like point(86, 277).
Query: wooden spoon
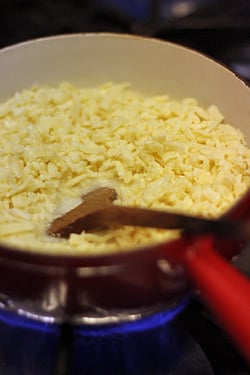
point(97, 212)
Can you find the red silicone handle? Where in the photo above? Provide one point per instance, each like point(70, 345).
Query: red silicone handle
point(224, 290)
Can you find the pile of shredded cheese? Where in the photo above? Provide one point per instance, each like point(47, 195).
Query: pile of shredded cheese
point(57, 143)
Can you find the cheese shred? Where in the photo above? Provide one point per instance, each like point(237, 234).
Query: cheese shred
point(57, 143)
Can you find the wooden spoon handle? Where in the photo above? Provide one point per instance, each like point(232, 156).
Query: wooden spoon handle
point(133, 216)
point(114, 215)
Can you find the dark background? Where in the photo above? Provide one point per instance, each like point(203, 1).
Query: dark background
point(220, 28)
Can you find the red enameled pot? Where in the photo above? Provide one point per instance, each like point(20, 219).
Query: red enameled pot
point(117, 287)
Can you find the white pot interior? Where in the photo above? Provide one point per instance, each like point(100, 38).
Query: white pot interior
point(152, 66)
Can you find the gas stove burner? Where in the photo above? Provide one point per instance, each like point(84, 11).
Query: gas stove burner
point(166, 349)
point(160, 345)
point(26, 347)
point(143, 323)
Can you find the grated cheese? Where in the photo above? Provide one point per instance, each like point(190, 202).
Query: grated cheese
point(57, 143)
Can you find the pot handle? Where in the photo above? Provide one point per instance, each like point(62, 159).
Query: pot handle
point(223, 289)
